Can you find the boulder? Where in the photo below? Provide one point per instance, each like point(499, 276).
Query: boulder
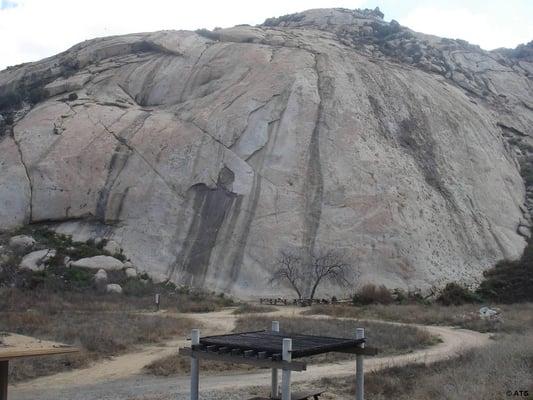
point(101, 275)
point(63, 85)
point(488, 313)
point(99, 262)
point(112, 247)
point(114, 288)
point(158, 278)
point(131, 273)
point(100, 280)
point(22, 242)
point(37, 260)
point(524, 231)
point(4, 259)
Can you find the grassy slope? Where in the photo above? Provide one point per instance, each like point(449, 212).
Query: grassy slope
point(487, 373)
point(515, 318)
point(102, 325)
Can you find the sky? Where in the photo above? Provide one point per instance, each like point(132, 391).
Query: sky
point(34, 29)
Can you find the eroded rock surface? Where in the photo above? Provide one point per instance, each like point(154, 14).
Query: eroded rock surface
point(205, 153)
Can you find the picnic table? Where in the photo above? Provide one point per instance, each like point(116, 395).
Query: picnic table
point(297, 396)
point(277, 351)
point(14, 347)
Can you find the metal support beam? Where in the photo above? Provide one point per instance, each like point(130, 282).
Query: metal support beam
point(241, 359)
point(4, 370)
point(274, 386)
point(359, 372)
point(195, 366)
point(286, 374)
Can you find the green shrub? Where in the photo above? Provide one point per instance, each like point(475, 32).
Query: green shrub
point(79, 278)
point(208, 34)
point(510, 281)
point(10, 101)
point(136, 287)
point(409, 297)
point(372, 294)
point(455, 294)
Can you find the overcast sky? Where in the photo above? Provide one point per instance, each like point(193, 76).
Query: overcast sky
point(34, 29)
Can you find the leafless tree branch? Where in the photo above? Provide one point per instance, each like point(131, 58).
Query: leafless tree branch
point(295, 268)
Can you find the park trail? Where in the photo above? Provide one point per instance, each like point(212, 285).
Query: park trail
point(121, 378)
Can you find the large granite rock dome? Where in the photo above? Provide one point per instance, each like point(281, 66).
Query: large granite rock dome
point(204, 153)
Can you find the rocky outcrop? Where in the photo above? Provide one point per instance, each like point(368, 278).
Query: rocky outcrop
point(114, 288)
point(22, 242)
point(205, 153)
point(105, 263)
point(37, 260)
point(131, 272)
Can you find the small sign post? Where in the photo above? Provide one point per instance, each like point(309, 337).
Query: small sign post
point(359, 372)
point(274, 385)
point(157, 300)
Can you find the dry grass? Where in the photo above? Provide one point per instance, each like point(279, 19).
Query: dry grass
point(390, 339)
point(517, 318)
point(486, 373)
point(249, 308)
point(177, 365)
point(101, 325)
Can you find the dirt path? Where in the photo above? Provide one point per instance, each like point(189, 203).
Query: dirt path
point(132, 363)
point(120, 378)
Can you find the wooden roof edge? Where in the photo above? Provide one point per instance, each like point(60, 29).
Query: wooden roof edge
point(7, 354)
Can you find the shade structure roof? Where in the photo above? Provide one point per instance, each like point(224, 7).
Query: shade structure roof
point(272, 342)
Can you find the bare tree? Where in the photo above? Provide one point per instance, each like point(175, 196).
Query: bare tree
point(329, 265)
point(307, 271)
point(289, 269)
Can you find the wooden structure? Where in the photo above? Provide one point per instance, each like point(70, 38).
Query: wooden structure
point(9, 353)
point(276, 350)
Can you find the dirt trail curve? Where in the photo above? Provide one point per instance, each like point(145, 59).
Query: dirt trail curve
point(120, 378)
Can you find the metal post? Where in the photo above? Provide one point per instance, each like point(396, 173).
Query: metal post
point(274, 388)
point(157, 300)
point(195, 366)
point(4, 370)
point(286, 374)
point(359, 372)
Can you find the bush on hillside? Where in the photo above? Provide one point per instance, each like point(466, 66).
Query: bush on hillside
point(510, 281)
point(372, 294)
point(454, 294)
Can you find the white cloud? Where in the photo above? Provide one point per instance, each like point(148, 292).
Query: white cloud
point(490, 31)
point(39, 28)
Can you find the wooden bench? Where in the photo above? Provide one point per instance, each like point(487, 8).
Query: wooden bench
point(296, 396)
point(20, 346)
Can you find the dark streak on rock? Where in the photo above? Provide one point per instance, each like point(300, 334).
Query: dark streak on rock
point(314, 178)
point(118, 162)
point(414, 136)
point(236, 262)
point(28, 176)
point(511, 129)
point(210, 207)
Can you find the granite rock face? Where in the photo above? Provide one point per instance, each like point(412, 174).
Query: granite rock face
point(205, 153)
